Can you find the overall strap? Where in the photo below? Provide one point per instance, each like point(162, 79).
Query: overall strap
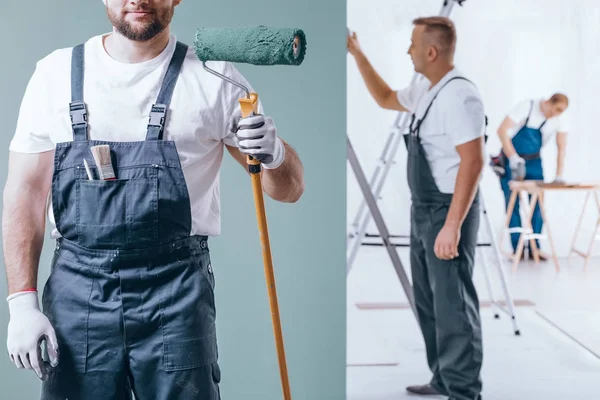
point(543, 123)
point(429, 106)
point(528, 115)
point(540, 127)
point(77, 107)
point(158, 112)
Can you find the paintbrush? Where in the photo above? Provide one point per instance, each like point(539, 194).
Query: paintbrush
point(101, 154)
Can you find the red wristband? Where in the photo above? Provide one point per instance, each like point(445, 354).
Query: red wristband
point(29, 290)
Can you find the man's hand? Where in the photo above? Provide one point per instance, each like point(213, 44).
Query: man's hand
point(257, 137)
point(27, 328)
point(517, 166)
point(446, 243)
point(467, 182)
point(353, 45)
point(381, 91)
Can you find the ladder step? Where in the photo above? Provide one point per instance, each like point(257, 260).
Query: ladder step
point(381, 244)
point(376, 235)
point(407, 245)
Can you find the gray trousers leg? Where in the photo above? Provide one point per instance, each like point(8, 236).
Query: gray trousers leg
point(423, 296)
point(447, 303)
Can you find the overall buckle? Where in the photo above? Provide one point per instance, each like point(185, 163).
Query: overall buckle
point(78, 112)
point(157, 116)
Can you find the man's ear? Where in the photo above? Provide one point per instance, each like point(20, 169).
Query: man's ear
point(432, 53)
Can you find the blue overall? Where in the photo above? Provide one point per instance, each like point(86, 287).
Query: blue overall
point(130, 293)
point(445, 296)
point(528, 144)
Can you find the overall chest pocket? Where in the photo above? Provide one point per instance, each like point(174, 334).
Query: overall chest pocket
point(118, 213)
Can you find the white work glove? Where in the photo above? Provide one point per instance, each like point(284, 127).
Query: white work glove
point(559, 179)
point(27, 328)
point(517, 166)
point(257, 137)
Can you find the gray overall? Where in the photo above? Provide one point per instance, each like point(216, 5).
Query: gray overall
point(130, 294)
point(445, 296)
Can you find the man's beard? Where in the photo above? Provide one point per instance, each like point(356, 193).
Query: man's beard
point(150, 29)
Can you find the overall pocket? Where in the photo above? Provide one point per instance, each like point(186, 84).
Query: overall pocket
point(188, 312)
point(121, 212)
point(65, 301)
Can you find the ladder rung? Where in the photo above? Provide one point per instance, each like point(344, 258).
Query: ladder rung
point(382, 245)
point(376, 235)
point(378, 243)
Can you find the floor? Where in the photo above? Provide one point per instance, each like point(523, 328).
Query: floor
point(556, 355)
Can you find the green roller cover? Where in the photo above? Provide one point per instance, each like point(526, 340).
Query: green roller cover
point(259, 45)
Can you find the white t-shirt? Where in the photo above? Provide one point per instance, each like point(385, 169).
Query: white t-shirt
point(119, 97)
point(519, 113)
point(456, 117)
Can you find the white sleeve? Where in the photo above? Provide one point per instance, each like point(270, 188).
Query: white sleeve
point(409, 96)
point(231, 105)
point(562, 125)
point(32, 134)
point(464, 117)
point(519, 112)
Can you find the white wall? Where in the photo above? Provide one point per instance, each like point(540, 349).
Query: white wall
point(510, 52)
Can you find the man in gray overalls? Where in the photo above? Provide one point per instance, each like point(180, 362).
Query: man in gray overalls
point(445, 160)
point(129, 304)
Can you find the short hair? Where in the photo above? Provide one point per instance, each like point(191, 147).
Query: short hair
point(443, 32)
point(559, 98)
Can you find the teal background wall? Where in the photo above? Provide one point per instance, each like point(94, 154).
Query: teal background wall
point(308, 105)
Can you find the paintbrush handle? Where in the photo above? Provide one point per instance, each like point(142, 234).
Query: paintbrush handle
point(87, 170)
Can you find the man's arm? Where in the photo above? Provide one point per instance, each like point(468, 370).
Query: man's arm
point(24, 215)
point(284, 183)
point(467, 181)
point(381, 92)
point(463, 121)
point(379, 89)
point(561, 144)
point(506, 141)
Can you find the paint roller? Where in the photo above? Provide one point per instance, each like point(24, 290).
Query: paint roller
point(264, 46)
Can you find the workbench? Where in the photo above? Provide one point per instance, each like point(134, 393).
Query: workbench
point(537, 190)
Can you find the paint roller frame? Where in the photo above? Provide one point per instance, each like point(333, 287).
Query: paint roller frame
point(249, 106)
point(250, 103)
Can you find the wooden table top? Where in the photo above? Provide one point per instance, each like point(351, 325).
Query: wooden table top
point(537, 185)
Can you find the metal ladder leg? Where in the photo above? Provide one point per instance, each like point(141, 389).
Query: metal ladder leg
point(381, 226)
point(486, 274)
point(386, 161)
point(494, 245)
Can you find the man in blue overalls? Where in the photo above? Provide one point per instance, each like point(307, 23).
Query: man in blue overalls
point(445, 161)
point(537, 120)
point(129, 303)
